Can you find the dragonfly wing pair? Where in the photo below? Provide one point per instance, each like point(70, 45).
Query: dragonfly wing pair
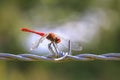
point(38, 42)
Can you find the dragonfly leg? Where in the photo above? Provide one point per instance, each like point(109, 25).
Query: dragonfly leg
point(51, 49)
point(56, 49)
point(59, 55)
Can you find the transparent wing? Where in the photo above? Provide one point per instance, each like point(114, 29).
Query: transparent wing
point(75, 46)
point(37, 42)
point(63, 45)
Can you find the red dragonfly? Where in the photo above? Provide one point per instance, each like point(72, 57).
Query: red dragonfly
point(50, 36)
point(53, 38)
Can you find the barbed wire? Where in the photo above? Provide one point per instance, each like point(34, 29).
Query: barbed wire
point(80, 57)
point(59, 55)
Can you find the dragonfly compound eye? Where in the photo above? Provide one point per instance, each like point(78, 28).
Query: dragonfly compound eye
point(57, 40)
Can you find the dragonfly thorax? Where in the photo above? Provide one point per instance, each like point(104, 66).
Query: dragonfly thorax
point(53, 38)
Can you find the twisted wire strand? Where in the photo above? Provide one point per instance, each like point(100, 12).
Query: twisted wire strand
point(59, 55)
point(80, 57)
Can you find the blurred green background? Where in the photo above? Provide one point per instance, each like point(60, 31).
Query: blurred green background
point(15, 14)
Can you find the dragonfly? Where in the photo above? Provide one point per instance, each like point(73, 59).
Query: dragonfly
point(54, 39)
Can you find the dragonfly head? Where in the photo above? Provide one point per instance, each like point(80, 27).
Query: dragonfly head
point(57, 40)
